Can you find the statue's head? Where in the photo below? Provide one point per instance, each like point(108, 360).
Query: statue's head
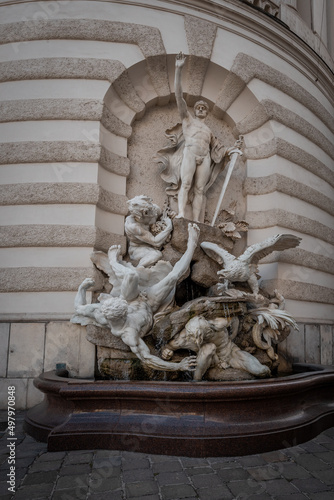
point(114, 308)
point(142, 207)
point(201, 109)
point(196, 329)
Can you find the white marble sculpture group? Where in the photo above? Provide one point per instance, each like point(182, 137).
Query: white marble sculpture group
point(230, 331)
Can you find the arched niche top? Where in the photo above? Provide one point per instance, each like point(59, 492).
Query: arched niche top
point(134, 91)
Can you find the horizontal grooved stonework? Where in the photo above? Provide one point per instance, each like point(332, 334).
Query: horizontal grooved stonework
point(63, 109)
point(276, 182)
point(280, 217)
point(54, 235)
point(147, 38)
point(62, 192)
point(294, 154)
point(294, 290)
point(298, 256)
point(246, 68)
point(49, 152)
point(41, 279)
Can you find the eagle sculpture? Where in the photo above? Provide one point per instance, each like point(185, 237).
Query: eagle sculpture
point(244, 268)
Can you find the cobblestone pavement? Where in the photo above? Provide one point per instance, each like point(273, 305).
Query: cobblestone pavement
point(293, 473)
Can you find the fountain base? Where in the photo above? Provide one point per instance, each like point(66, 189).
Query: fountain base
point(195, 419)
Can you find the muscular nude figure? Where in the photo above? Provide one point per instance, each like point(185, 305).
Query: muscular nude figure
point(130, 317)
point(196, 161)
point(144, 247)
point(210, 340)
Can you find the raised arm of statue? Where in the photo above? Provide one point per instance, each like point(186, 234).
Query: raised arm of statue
point(141, 350)
point(81, 307)
point(181, 103)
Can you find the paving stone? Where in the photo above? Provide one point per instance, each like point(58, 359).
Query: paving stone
point(141, 463)
point(4, 488)
point(75, 458)
point(233, 474)
point(111, 461)
point(45, 466)
point(116, 495)
point(262, 496)
point(312, 447)
point(105, 472)
point(221, 493)
point(326, 476)
point(170, 466)
point(178, 491)
point(75, 470)
point(40, 477)
point(193, 471)
point(107, 453)
point(280, 487)
point(140, 489)
point(147, 497)
point(326, 456)
point(194, 462)
point(132, 476)
point(205, 480)
point(161, 458)
point(329, 446)
point(172, 478)
point(274, 456)
point(246, 488)
point(324, 495)
point(252, 461)
point(311, 462)
point(310, 485)
point(225, 465)
point(19, 474)
point(296, 496)
point(292, 471)
point(65, 482)
point(33, 491)
point(263, 473)
point(108, 484)
point(50, 456)
point(19, 463)
point(70, 494)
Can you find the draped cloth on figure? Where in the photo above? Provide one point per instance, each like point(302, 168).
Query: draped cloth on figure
point(170, 157)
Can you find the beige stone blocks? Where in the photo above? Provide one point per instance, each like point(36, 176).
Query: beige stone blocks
point(26, 349)
point(4, 339)
point(66, 343)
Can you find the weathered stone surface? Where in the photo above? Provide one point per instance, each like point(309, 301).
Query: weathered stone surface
point(103, 337)
point(204, 272)
point(207, 233)
point(22, 360)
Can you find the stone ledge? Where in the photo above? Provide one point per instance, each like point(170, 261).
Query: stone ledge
point(279, 217)
point(276, 182)
point(295, 290)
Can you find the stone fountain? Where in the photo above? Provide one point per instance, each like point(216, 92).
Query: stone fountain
point(186, 340)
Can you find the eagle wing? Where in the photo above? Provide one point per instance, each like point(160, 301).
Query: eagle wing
point(217, 253)
point(279, 242)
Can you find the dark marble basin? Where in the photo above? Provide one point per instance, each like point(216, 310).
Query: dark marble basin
point(194, 419)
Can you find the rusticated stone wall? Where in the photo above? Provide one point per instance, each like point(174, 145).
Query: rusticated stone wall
point(76, 81)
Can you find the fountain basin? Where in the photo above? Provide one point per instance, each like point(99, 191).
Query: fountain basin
point(195, 419)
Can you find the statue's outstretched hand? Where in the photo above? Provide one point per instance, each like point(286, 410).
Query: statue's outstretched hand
point(193, 231)
point(87, 283)
point(180, 60)
point(188, 363)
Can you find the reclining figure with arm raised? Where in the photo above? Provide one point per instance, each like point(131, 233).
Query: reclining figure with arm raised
point(130, 316)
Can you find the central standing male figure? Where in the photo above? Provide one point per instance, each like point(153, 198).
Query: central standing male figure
point(201, 150)
point(196, 160)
